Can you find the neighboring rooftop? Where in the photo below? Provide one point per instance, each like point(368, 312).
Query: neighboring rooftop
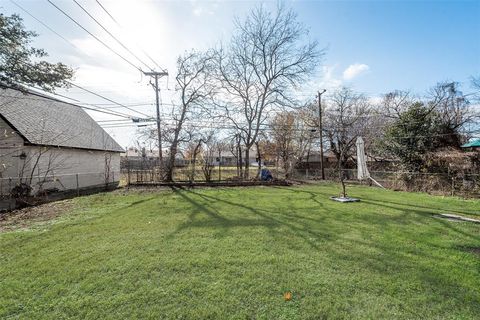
point(472, 144)
point(42, 120)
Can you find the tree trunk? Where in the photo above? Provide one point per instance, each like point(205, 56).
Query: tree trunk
point(247, 162)
point(340, 173)
point(171, 161)
point(240, 161)
point(259, 158)
point(194, 165)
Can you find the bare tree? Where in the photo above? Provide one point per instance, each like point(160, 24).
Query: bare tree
point(208, 154)
point(266, 58)
point(192, 152)
point(395, 103)
point(291, 138)
point(347, 118)
point(454, 110)
point(193, 89)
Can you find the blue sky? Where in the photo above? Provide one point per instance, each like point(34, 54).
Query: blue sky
point(373, 46)
point(407, 45)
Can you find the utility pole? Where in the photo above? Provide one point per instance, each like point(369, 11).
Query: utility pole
point(320, 129)
point(156, 75)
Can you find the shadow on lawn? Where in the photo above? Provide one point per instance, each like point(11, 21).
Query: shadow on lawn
point(411, 260)
point(406, 209)
point(255, 217)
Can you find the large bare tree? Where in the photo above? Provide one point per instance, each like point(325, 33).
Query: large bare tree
point(268, 56)
point(193, 89)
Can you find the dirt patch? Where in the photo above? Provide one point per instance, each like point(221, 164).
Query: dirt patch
point(23, 218)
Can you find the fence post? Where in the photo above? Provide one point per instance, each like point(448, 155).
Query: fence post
point(78, 189)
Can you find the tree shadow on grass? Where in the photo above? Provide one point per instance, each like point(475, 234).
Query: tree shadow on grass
point(440, 210)
point(423, 212)
point(256, 217)
point(406, 209)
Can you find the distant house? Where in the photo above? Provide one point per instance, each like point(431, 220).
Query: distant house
point(51, 145)
point(143, 158)
point(312, 161)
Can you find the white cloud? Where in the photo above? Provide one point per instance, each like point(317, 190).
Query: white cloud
point(355, 70)
point(329, 81)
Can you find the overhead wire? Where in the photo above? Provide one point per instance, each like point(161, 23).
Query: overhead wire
point(84, 89)
point(121, 27)
point(117, 114)
point(95, 37)
point(111, 35)
point(107, 99)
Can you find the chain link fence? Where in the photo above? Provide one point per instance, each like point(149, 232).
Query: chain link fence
point(19, 191)
point(466, 185)
point(185, 174)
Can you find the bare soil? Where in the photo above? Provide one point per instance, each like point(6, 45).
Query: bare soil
point(23, 218)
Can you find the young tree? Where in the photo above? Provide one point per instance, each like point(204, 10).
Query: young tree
point(267, 57)
point(208, 154)
point(19, 60)
point(193, 150)
point(346, 119)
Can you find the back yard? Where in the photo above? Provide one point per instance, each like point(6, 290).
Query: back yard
point(234, 252)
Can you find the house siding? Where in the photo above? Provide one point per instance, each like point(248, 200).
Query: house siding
point(58, 168)
point(62, 165)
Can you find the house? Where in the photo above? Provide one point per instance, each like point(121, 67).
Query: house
point(312, 160)
point(49, 145)
point(145, 159)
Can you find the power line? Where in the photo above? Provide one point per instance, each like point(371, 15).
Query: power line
point(91, 92)
point(72, 44)
point(268, 129)
point(95, 37)
point(111, 35)
point(107, 99)
point(121, 27)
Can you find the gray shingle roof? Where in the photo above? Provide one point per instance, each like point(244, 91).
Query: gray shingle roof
point(42, 120)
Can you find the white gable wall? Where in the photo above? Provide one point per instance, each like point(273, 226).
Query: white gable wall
point(53, 167)
point(59, 167)
point(10, 145)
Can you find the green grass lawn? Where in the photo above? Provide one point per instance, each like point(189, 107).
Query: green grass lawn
point(233, 252)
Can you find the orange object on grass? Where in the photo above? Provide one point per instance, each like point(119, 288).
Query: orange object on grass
point(287, 296)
